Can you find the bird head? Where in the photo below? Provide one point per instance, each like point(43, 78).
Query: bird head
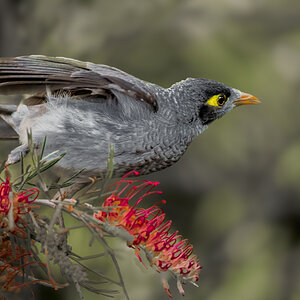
point(208, 100)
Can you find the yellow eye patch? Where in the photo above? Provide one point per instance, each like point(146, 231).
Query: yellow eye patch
point(217, 100)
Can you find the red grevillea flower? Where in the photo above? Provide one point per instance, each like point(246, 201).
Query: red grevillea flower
point(4, 199)
point(14, 259)
point(165, 250)
point(19, 203)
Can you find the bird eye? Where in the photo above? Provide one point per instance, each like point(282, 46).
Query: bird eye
point(217, 100)
point(222, 99)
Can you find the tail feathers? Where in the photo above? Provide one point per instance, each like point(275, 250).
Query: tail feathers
point(7, 109)
point(6, 131)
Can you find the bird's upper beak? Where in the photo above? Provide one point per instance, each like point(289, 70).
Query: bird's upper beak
point(246, 99)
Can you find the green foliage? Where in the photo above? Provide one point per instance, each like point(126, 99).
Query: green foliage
point(44, 233)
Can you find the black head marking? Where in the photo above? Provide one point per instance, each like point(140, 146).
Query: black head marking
point(208, 114)
point(208, 88)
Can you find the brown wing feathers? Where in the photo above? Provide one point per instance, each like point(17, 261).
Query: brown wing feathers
point(26, 75)
point(33, 74)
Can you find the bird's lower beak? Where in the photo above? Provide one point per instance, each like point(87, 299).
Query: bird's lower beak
point(246, 99)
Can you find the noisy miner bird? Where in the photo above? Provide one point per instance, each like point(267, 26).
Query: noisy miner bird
point(84, 108)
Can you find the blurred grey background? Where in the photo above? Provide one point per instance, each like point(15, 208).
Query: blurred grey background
point(235, 193)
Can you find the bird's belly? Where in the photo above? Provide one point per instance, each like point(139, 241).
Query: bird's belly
point(93, 157)
point(152, 159)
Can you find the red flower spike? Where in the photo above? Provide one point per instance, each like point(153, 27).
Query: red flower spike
point(21, 205)
point(4, 197)
point(166, 252)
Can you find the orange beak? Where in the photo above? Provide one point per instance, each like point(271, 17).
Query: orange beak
point(246, 99)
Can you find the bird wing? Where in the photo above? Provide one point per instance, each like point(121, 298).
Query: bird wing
point(33, 74)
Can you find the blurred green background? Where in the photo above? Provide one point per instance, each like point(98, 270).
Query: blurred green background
point(235, 193)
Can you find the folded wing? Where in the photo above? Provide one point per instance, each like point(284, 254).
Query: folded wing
point(35, 74)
